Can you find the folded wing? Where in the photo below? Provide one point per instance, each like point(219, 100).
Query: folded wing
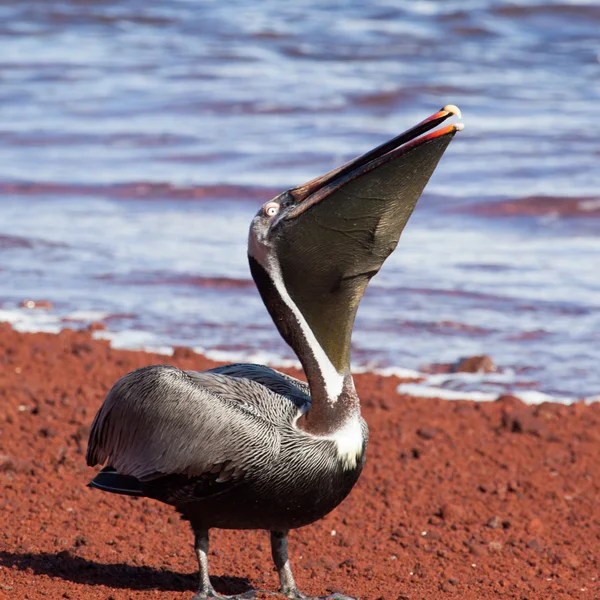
point(159, 421)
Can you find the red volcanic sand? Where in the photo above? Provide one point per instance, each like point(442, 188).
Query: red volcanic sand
point(458, 499)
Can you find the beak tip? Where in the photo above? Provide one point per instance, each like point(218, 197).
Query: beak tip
point(453, 110)
point(459, 126)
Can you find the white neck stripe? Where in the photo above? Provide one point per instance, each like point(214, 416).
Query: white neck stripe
point(333, 380)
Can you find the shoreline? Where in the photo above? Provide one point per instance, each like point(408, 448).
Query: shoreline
point(436, 380)
point(458, 499)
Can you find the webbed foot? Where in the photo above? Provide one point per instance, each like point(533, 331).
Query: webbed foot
point(286, 579)
point(206, 590)
point(212, 595)
point(297, 595)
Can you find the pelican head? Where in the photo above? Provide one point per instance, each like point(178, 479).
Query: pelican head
point(314, 248)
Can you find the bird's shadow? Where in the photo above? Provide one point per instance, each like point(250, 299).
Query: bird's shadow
point(116, 575)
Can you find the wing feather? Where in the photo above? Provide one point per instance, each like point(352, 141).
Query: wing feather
point(160, 420)
point(294, 389)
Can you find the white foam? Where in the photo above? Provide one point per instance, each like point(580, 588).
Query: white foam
point(446, 385)
point(134, 340)
point(259, 356)
point(537, 397)
point(589, 205)
point(399, 372)
point(439, 379)
point(27, 320)
point(85, 315)
point(426, 391)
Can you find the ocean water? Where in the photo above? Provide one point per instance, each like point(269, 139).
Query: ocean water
point(138, 139)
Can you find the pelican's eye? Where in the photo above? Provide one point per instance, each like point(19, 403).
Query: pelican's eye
point(271, 209)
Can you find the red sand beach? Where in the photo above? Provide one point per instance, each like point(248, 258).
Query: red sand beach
point(458, 499)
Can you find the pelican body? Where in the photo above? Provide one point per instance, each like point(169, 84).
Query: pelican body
point(244, 446)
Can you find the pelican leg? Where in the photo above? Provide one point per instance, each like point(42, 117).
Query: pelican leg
point(287, 585)
point(286, 579)
point(205, 588)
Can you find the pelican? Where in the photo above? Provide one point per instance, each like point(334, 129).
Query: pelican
point(244, 446)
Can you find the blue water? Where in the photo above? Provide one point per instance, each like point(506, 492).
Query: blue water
point(137, 139)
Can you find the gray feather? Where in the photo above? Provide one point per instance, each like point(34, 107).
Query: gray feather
point(294, 389)
point(160, 420)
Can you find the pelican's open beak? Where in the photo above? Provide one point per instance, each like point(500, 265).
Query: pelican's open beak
point(310, 193)
point(334, 233)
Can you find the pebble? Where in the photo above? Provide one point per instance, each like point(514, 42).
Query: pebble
point(494, 522)
point(427, 433)
point(534, 526)
point(475, 364)
point(452, 513)
point(520, 418)
point(535, 544)
point(570, 560)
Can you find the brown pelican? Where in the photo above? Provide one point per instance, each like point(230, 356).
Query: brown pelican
point(244, 446)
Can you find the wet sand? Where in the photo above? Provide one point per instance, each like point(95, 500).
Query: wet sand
point(458, 499)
